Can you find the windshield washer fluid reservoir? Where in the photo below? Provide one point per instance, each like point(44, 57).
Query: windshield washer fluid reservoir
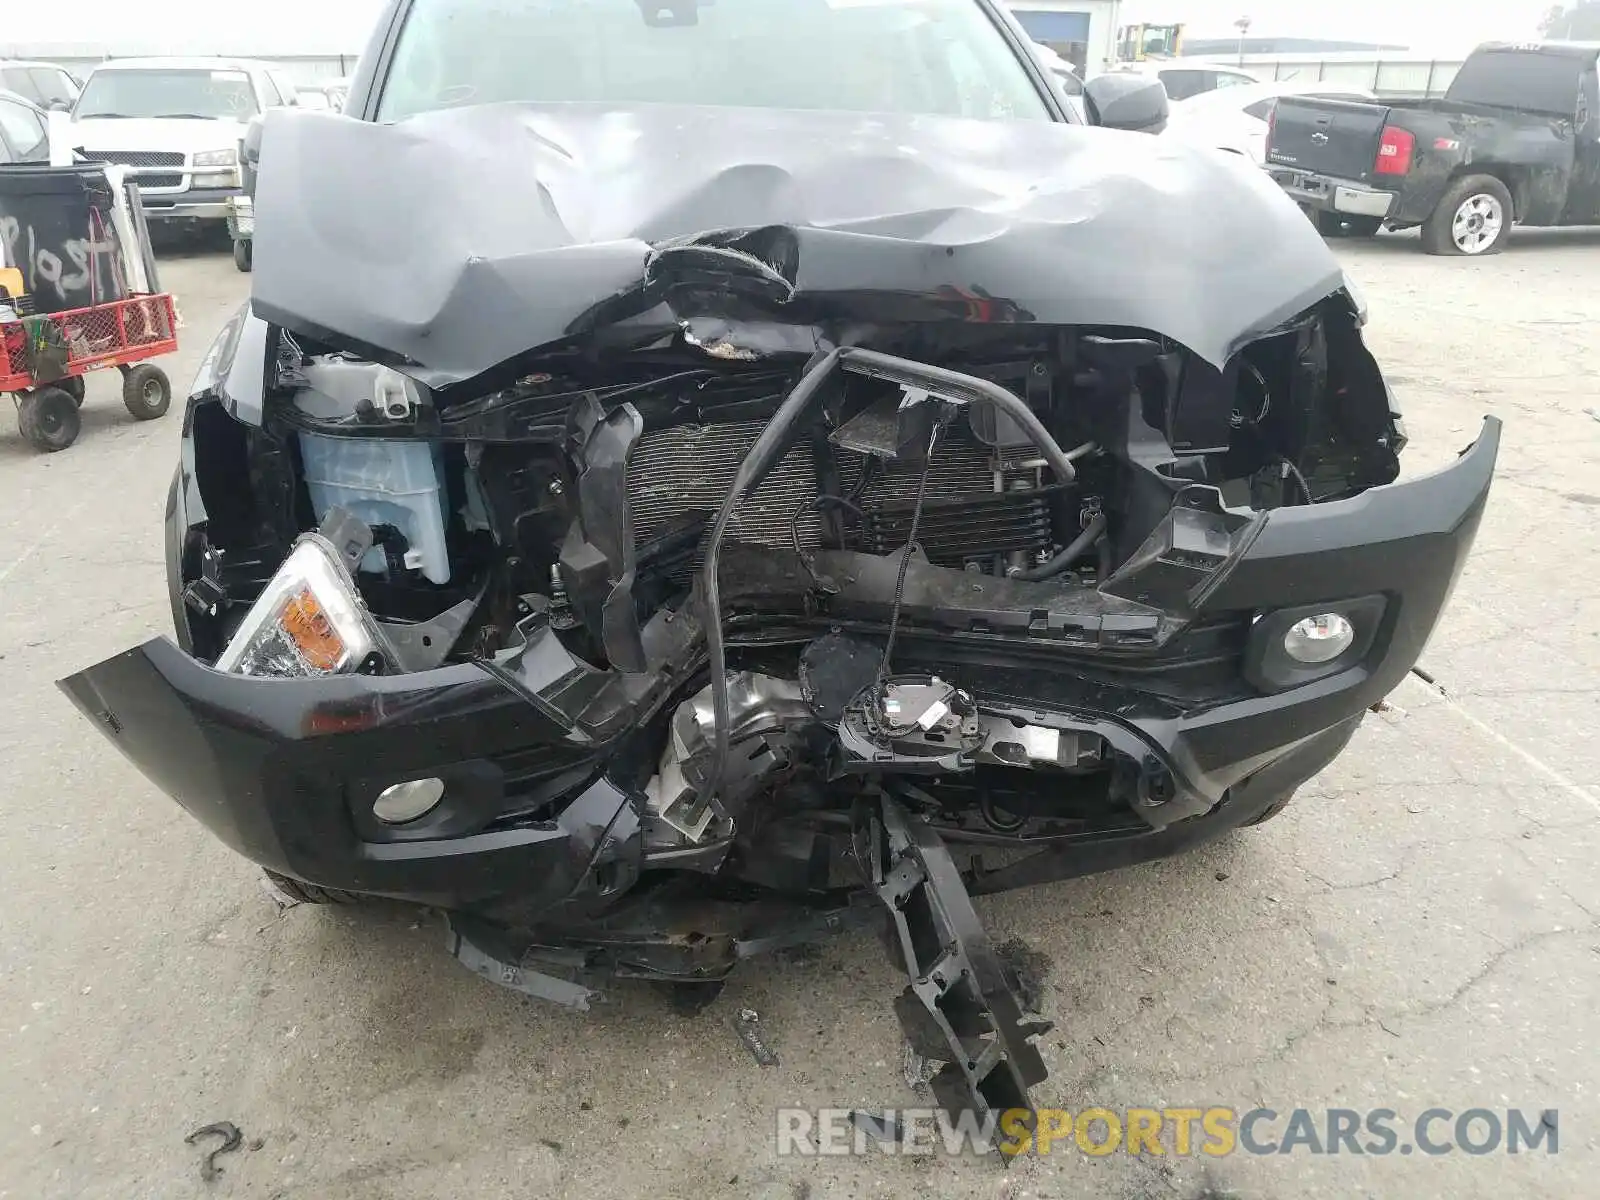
point(384, 482)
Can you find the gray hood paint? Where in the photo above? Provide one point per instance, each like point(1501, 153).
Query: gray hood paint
point(456, 241)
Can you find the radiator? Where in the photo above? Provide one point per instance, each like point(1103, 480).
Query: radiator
point(687, 471)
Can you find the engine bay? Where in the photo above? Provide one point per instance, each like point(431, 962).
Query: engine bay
point(784, 570)
point(591, 494)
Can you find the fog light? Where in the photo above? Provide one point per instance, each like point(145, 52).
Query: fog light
point(407, 801)
point(1319, 639)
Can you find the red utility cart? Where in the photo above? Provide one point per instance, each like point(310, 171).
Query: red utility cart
point(43, 360)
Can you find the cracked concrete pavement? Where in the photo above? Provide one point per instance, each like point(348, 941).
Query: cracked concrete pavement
point(1417, 930)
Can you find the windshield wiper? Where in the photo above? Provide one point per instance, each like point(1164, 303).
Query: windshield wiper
point(189, 117)
point(103, 117)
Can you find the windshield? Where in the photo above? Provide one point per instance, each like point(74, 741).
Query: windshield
point(941, 57)
point(210, 95)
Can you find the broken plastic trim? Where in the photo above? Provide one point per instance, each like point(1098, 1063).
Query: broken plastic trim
point(960, 1007)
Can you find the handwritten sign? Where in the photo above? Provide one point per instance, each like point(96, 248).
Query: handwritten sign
point(56, 228)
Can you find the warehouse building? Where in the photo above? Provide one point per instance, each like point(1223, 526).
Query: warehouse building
point(1084, 32)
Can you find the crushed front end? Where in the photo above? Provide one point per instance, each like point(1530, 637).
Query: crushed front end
point(800, 573)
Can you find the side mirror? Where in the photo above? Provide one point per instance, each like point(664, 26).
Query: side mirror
point(250, 155)
point(1122, 100)
point(59, 105)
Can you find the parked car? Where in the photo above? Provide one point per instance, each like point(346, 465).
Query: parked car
point(50, 87)
point(24, 130)
point(1514, 141)
point(1236, 119)
point(747, 487)
point(179, 121)
point(1185, 78)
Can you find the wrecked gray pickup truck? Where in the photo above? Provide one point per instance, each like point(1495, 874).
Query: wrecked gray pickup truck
point(659, 534)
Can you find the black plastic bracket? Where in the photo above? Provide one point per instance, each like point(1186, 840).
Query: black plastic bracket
point(961, 1007)
point(605, 439)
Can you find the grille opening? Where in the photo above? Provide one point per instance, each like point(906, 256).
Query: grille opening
point(679, 477)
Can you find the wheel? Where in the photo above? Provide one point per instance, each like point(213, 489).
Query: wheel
point(72, 385)
point(310, 893)
point(244, 255)
point(48, 418)
point(147, 392)
point(1474, 218)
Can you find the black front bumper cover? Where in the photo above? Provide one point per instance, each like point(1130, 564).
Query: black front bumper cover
point(283, 770)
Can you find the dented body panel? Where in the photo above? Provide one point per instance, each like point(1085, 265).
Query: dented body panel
point(882, 217)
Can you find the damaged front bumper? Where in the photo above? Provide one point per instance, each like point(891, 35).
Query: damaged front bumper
point(545, 777)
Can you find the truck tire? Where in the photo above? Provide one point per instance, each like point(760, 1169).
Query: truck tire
point(146, 392)
point(310, 893)
point(48, 418)
point(1473, 219)
point(244, 254)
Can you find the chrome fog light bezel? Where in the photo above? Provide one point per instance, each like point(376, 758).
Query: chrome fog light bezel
point(1269, 666)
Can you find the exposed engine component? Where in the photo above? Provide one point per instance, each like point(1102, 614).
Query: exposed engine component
point(913, 725)
point(678, 477)
point(927, 725)
point(769, 716)
point(982, 507)
point(834, 670)
point(913, 722)
point(390, 484)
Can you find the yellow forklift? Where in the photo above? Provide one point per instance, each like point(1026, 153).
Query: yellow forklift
point(1136, 43)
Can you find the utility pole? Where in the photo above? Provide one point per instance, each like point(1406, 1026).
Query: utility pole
point(1243, 26)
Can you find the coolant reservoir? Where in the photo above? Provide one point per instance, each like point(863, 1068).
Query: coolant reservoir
point(384, 482)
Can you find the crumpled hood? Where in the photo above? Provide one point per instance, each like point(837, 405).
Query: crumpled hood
point(459, 240)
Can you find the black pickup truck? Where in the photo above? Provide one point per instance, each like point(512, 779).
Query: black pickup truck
point(1516, 140)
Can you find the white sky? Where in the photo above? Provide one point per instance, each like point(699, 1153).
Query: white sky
point(1424, 25)
point(330, 26)
point(195, 26)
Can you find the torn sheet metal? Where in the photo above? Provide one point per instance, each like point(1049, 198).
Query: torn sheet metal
point(541, 221)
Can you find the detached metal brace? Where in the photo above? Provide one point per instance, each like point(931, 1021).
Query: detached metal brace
point(960, 1008)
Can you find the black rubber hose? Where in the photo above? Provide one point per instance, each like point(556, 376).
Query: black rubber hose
point(943, 381)
point(757, 463)
point(1070, 555)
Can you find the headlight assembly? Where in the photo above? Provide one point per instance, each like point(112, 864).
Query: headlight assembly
point(308, 621)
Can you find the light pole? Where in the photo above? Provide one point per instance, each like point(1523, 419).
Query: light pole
point(1243, 26)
